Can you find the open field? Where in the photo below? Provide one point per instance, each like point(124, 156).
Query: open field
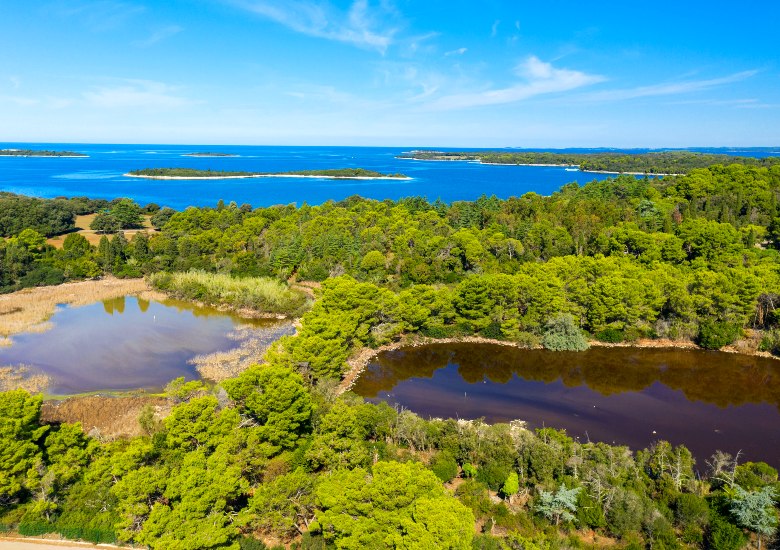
point(82, 227)
point(28, 310)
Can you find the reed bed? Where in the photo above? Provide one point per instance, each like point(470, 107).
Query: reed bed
point(24, 377)
point(28, 310)
point(252, 343)
point(261, 294)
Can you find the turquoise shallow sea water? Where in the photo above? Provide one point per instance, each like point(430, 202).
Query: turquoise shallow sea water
point(100, 175)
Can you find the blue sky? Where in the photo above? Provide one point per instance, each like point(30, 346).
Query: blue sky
point(391, 72)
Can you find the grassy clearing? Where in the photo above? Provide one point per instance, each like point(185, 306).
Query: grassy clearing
point(28, 310)
point(258, 294)
point(82, 227)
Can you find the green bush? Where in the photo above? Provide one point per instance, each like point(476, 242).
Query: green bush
point(610, 335)
point(771, 342)
point(716, 334)
point(35, 528)
point(723, 535)
point(444, 466)
point(561, 333)
point(249, 543)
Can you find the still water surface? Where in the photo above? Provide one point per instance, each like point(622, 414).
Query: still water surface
point(705, 400)
point(126, 343)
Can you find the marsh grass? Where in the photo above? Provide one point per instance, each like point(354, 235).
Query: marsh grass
point(260, 294)
point(252, 343)
point(22, 377)
point(28, 310)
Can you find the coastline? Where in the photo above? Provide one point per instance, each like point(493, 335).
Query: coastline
point(251, 176)
point(49, 156)
point(541, 165)
point(361, 357)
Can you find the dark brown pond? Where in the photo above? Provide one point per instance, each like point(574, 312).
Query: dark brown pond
point(630, 396)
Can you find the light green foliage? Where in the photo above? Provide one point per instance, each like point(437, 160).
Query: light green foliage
point(511, 486)
point(275, 397)
point(261, 293)
point(562, 334)
point(558, 505)
point(181, 390)
point(20, 435)
point(755, 510)
point(198, 424)
point(396, 506)
point(196, 506)
point(284, 506)
point(339, 440)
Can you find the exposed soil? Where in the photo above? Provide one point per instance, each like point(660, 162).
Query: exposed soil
point(105, 417)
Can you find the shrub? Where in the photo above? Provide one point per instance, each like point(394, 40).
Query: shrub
point(724, 535)
point(610, 335)
point(444, 466)
point(716, 334)
point(561, 333)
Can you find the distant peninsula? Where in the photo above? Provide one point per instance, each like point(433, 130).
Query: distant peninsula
point(654, 163)
point(209, 154)
point(193, 174)
point(38, 153)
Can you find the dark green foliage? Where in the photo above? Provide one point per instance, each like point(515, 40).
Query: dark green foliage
point(47, 217)
point(184, 173)
point(444, 466)
point(105, 222)
point(38, 153)
point(668, 162)
point(716, 334)
point(610, 335)
point(723, 535)
point(249, 543)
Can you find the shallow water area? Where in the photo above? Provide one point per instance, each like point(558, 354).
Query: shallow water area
point(630, 396)
point(125, 344)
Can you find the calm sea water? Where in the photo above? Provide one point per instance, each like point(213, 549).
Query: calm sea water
point(100, 175)
point(704, 400)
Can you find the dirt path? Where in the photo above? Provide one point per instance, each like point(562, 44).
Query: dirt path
point(7, 543)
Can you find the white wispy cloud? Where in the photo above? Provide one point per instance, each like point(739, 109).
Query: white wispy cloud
point(538, 78)
point(669, 88)
point(133, 93)
point(97, 15)
point(494, 28)
point(362, 25)
point(159, 35)
point(459, 51)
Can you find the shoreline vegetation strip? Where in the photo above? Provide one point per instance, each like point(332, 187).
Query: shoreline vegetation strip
point(193, 174)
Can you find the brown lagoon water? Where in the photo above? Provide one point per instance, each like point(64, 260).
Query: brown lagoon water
point(127, 343)
point(629, 396)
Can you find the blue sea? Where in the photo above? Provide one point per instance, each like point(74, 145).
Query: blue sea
point(100, 175)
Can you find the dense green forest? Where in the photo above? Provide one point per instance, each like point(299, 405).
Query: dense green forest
point(195, 173)
point(38, 153)
point(275, 455)
point(667, 162)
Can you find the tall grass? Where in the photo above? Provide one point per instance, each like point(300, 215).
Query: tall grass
point(256, 293)
point(28, 310)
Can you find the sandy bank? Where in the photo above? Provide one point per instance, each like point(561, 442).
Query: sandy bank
point(10, 543)
point(251, 176)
